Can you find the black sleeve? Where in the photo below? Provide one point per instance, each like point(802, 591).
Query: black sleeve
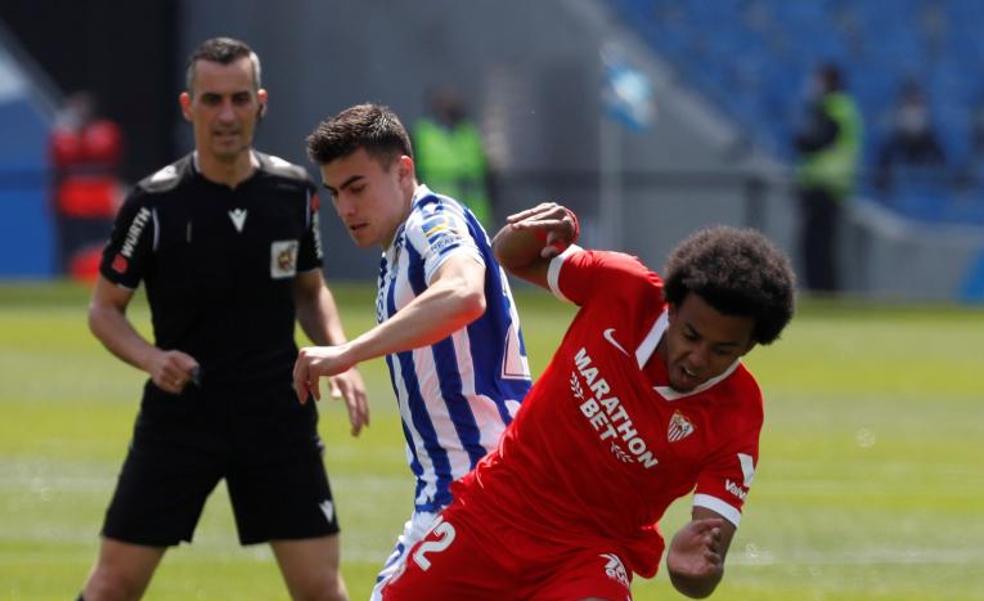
point(819, 134)
point(130, 245)
point(311, 254)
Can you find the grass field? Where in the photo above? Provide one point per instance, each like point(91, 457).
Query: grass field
point(870, 486)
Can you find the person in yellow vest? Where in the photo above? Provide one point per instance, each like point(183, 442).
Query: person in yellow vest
point(450, 156)
point(830, 146)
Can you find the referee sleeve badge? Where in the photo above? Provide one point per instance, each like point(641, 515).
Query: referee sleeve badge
point(283, 259)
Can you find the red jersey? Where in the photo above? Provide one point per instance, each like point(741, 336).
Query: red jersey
point(602, 445)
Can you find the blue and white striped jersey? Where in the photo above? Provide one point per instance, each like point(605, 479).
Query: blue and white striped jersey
point(456, 396)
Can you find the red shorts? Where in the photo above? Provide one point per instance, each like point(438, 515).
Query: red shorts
point(461, 559)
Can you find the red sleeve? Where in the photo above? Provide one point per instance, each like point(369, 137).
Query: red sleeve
point(724, 483)
point(578, 276)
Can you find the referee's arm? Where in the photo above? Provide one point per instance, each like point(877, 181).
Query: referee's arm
point(170, 370)
point(318, 315)
point(316, 309)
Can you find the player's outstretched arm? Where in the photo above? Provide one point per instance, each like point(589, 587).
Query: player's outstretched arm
point(170, 370)
point(695, 561)
point(454, 299)
point(530, 238)
point(318, 315)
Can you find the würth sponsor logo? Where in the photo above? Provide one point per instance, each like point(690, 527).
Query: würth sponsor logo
point(606, 414)
point(679, 428)
point(133, 234)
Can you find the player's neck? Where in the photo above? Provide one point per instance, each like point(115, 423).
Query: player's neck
point(228, 172)
point(408, 204)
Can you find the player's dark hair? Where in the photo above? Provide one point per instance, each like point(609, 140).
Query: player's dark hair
point(373, 127)
point(224, 51)
point(738, 272)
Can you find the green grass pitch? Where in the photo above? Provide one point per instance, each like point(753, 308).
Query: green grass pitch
point(870, 484)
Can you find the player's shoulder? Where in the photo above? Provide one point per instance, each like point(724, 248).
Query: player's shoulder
point(622, 272)
point(745, 395)
point(285, 172)
point(429, 210)
point(167, 179)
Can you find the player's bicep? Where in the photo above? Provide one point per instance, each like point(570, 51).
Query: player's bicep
point(109, 296)
point(463, 271)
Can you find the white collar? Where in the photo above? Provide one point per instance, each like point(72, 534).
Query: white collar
point(648, 346)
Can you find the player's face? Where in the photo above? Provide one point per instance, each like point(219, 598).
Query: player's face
point(223, 108)
point(372, 200)
point(701, 343)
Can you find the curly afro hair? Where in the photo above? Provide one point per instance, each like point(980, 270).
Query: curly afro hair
point(738, 272)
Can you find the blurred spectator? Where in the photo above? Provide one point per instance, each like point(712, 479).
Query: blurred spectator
point(829, 144)
point(85, 154)
point(912, 140)
point(976, 167)
point(449, 153)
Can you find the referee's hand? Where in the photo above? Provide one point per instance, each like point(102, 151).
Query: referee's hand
point(313, 362)
point(172, 370)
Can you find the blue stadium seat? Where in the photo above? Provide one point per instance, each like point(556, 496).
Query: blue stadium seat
point(752, 57)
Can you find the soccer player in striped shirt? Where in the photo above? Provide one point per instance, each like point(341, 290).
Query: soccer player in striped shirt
point(447, 323)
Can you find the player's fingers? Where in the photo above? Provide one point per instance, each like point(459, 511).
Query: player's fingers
point(337, 385)
point(539, 224)
point(364, 406)
point(314, 386)
point(540, 208)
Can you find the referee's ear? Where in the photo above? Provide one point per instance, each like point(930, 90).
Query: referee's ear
point(185, 101)
point(261, 95)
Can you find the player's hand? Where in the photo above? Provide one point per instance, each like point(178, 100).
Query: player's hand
point(696, 551)
point(171, 370)
point(313, 362)
point(348, 385)
point(554, 224)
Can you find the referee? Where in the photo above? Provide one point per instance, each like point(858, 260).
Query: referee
point(226, 241)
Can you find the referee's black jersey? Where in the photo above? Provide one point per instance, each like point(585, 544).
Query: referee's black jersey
point(219, 263)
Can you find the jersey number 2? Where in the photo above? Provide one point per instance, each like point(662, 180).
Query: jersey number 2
point(442, 529)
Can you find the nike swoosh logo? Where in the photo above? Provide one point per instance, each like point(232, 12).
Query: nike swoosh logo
point(608, 334)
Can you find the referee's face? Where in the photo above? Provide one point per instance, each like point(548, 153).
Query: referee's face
point(371, 199)
point(223, 108)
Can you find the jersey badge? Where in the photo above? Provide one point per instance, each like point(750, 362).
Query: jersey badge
point(238, 217)
point(283, 259)
point(680, 427)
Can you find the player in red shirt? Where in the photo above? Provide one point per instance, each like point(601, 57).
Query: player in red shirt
point(644, 401)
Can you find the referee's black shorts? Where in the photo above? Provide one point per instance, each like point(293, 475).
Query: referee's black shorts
point(260, 439)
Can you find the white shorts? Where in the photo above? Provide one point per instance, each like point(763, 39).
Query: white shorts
point(414, 530)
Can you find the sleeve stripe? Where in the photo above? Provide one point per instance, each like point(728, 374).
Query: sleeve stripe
point(157, 229)
point(553, 271)
point(716, 505)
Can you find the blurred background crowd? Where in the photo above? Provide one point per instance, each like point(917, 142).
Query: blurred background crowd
point(851, 132)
